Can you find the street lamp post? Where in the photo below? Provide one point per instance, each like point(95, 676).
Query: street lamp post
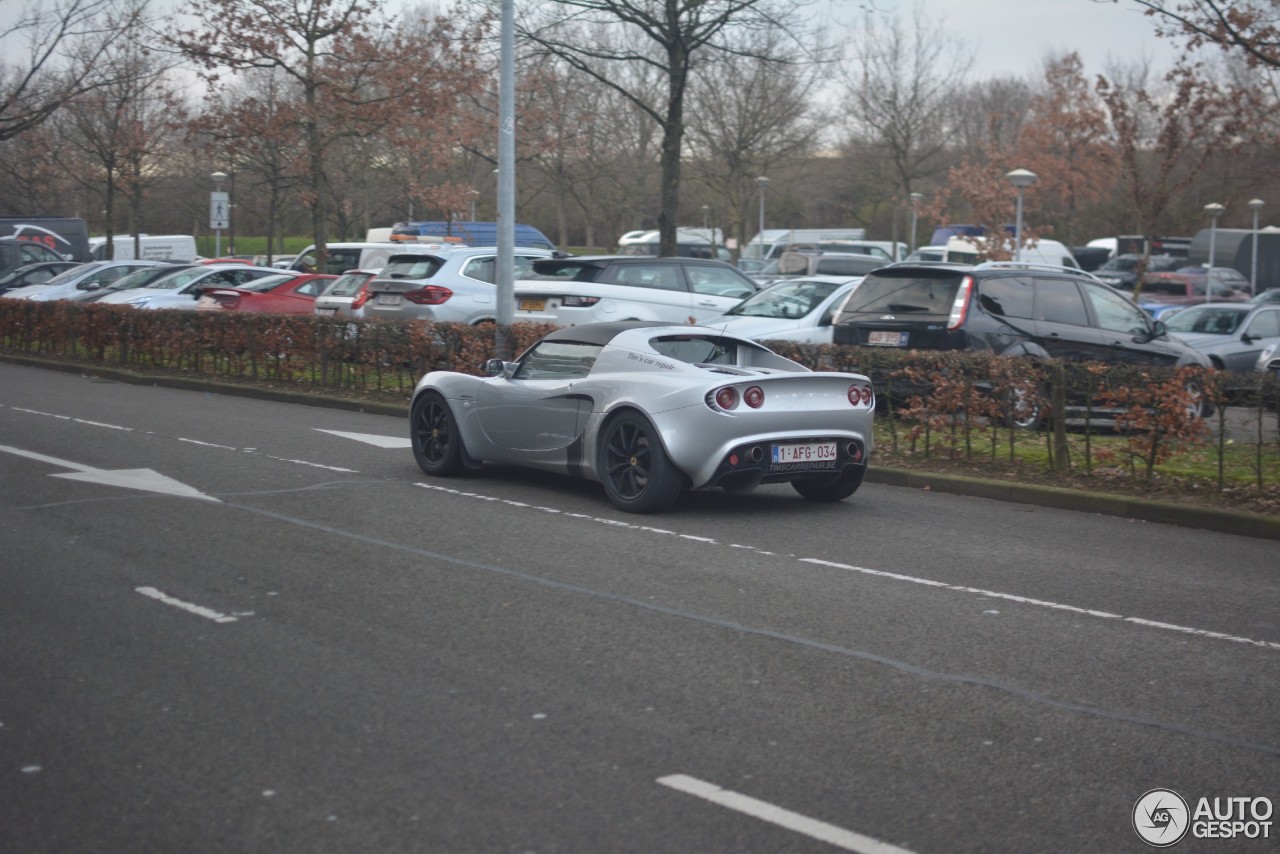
point(762, 182)
point(1255, 205)
point(916, 198)
point(219, 211)
point(1021, 179)
point(1214, 210)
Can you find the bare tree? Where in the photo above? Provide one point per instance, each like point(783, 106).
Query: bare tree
point(358, 72)
point(671, 37)
point(900, 83)
point(1249, 27)
point(58, 51)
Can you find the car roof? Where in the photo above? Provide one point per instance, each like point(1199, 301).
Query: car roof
point(599, 333)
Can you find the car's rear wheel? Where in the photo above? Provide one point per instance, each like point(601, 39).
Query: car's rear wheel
point(1025, 407)
point(637, 474)
point(837, 488)
point(437, 445)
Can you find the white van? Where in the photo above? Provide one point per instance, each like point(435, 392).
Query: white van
point(961, 250)
point(151, 247)
point(358, 256)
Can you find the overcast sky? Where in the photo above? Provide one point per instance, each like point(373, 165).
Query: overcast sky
point(1012, 37)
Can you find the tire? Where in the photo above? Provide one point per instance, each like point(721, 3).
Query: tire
point(1022, 413)
point(437, 444)
point(637, 474)
point(1199, 406)
point(836, 489)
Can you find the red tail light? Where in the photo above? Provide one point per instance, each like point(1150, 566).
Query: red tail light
point(866, 395)
point(754, 397)
point(727, 397)
point(960, 308)
point(860, 395)
point(362, 296)
point(428, 295)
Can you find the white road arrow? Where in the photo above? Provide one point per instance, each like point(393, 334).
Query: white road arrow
point(372, 439)
point(144, 479)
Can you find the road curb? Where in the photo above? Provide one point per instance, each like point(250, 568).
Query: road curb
point(1146, 510)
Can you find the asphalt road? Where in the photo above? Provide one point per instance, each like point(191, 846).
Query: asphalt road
point(237, 625)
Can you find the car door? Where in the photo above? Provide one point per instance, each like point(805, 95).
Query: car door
point(715, 290)
point(1262, 330)
point(1062, 322)
point(645, 291)
point(537, 409)
point(1125, 330)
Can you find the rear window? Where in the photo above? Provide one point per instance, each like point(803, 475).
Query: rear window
point(915, 292)
point(349, 284)
point(411, 267)
point(565, 270)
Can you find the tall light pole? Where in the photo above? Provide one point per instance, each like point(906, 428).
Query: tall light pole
point(1255, 205)
point(762, 182)
point(1020, 178)
point(219, 211)
point(916, 198)
point(1214, 210)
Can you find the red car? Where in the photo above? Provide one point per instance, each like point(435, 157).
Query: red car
point(287, 293)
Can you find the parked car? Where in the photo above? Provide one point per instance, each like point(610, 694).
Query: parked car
point(286, 293)
point(1190, 285)
point(806, 263)
point(33, 274)
point(1232, 335)
point(181, 289)
point(593, 289)
point(1121, 272)
point(92, 276)
point(792, 310)
point(648, 409)
point(345, 295)
point(1007, 308)
point(450, 285)
point(1269, 361)
point(137, 279)
point(1271, 295)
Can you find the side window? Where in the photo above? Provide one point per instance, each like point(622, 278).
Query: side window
point(1010, 296)
point(558, 360)
point(1059, 301)
point(717, 281)
point(1115, 313)
point(482, 269)
point(1266, 324)
point(312, 288)
point(663, 277)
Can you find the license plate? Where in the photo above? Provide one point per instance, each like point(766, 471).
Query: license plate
point(323, 310)
point(533, 304)
point(888, 339)
point(388, 299)
point(813, 453)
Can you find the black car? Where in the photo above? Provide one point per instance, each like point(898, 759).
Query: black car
point(33, 274)
point(1006, 308)
point(1121, 272)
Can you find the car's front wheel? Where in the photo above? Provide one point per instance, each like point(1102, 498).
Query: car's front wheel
point(834, 489)
point(637, 474)
point(437, 445)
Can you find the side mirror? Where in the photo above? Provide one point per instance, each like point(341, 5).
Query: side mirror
point(1158, 329)
point(499, 368)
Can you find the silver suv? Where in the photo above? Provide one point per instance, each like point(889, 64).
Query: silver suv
point(452, 285)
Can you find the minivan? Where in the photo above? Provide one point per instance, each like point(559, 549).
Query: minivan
point(148, 247)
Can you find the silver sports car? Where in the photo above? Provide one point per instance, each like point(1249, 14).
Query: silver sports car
point(648, 409)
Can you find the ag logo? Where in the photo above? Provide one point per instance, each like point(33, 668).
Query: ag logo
point(1161, 817)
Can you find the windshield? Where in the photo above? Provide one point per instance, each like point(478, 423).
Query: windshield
point(75, 273)
point(1213, 321)
point(180, 279)
point(788, 300)
point(140, 278)
point(914, 294)
point(1122, 264)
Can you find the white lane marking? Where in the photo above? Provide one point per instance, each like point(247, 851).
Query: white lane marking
point(405, 442)
point(144, 479)
point(372, 439)
point(765, 811)
point(895, 576)
point(198, 610)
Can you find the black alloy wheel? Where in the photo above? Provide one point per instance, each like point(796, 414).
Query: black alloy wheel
point(437, 446)
point(637, 475)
